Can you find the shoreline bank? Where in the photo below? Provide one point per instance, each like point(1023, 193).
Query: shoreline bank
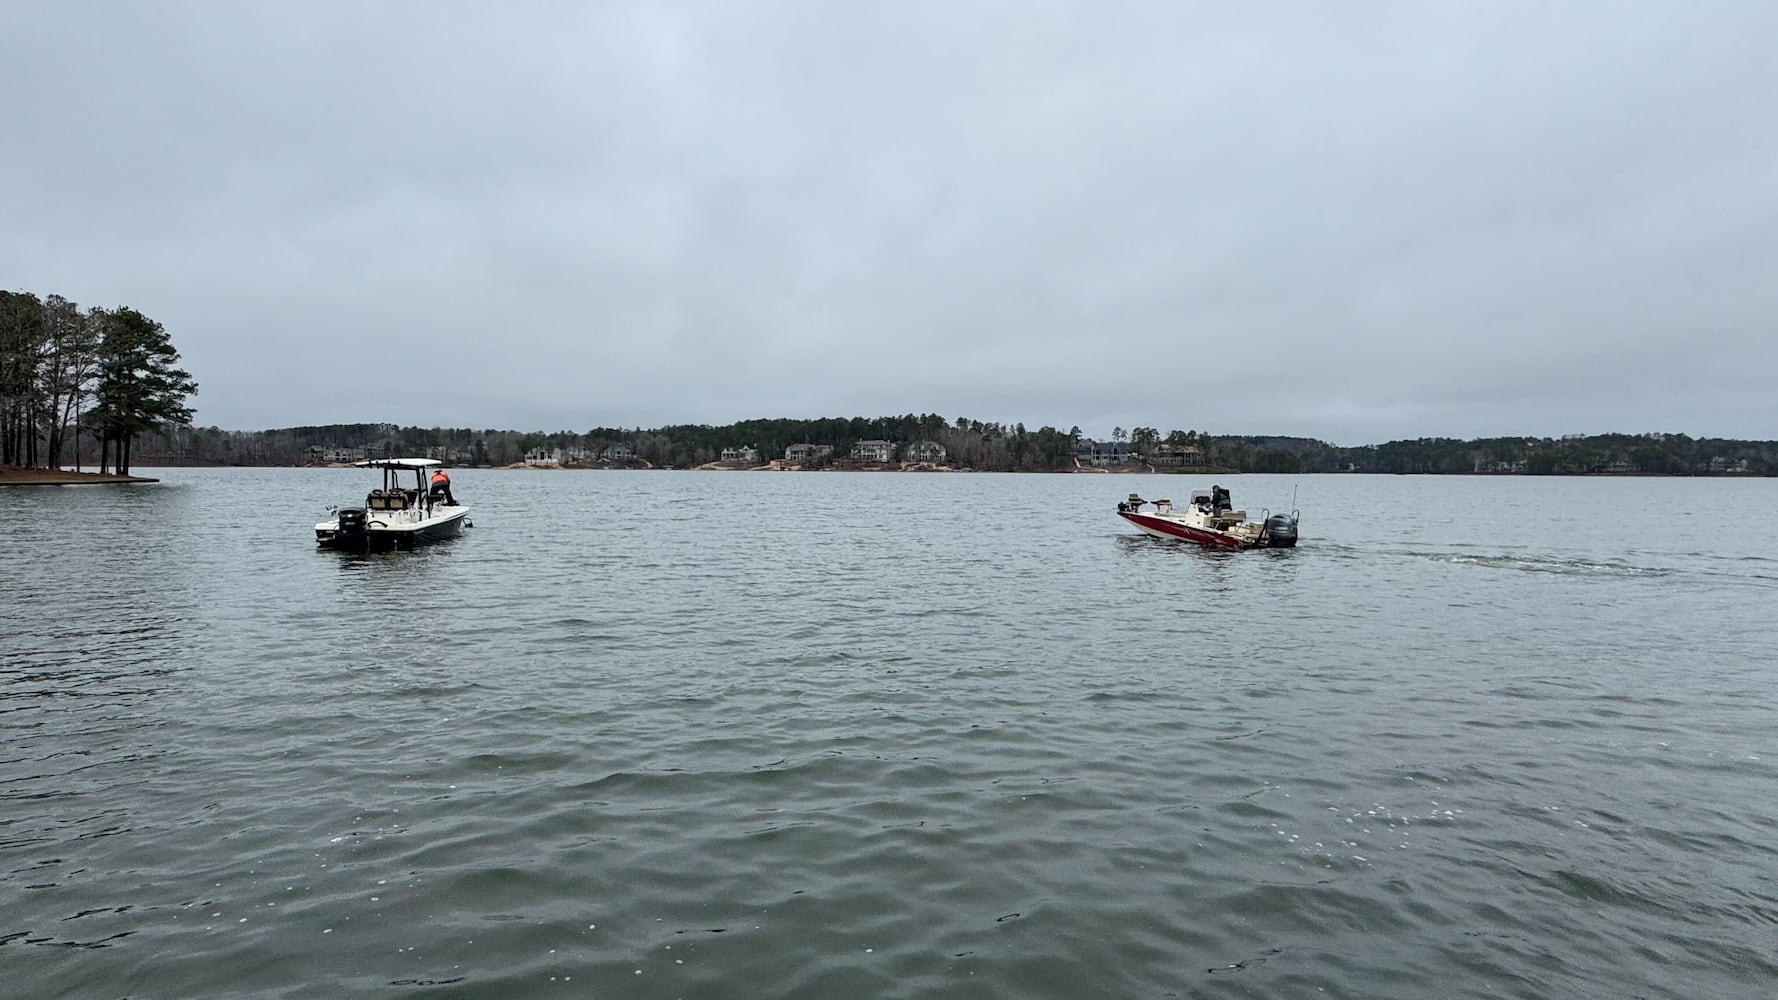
point(12, 475)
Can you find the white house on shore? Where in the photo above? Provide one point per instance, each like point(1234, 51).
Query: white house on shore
point(546, 458)
point(925, 451)
point(873, 451)
point(744, 455)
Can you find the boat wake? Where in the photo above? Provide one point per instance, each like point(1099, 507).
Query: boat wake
point(1561, 567)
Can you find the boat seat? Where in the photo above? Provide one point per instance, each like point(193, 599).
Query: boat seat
point(390, 500)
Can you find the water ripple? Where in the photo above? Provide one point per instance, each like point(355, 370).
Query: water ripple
point(697, 742)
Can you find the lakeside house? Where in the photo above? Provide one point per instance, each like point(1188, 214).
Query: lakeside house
point(1102, 453)
point(1182, 456)
point(620, 453)
point(803, 454)
point(744, 455)
point(873, 451)
point(926, 451)
point(336, 456)
point(544, 458)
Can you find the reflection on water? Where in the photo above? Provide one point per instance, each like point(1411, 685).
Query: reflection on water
point(816, 735)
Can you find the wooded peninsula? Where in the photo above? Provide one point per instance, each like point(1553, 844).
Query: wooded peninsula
point(109, 377)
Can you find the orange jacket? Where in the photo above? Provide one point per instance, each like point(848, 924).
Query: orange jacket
point(440, 477)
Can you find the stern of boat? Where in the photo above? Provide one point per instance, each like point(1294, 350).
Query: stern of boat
point(349, 527)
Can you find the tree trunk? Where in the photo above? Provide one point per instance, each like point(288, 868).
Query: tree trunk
point(52, 447)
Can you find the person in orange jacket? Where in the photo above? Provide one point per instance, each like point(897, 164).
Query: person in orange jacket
point(441, 486)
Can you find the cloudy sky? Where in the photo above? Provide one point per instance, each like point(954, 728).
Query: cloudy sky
point(1356, 221)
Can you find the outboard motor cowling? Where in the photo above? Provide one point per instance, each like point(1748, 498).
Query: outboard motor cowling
point(352, 522)
point(1281, 531)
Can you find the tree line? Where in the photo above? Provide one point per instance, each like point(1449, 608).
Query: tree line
point(111, 376)
point(986, 446)
point(1658, 454)
point(968, 443)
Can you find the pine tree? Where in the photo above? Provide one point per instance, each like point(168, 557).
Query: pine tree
point(140, 388)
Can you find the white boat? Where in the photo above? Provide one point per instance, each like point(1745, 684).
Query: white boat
point(1209, 519)
point(395, 516)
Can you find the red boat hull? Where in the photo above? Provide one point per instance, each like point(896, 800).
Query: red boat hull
point(1173, 529)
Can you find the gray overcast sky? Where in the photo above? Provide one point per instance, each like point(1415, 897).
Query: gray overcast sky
point(1356, 221)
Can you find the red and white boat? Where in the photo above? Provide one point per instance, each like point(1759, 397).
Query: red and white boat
point(1209, 519)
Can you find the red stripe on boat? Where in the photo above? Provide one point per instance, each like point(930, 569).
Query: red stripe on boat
point(1178, 530)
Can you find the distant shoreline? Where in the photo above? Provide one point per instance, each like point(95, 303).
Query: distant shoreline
point(16, 476)
point(775, 466)
point(12, 475)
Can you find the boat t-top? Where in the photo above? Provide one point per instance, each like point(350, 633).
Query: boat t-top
point(395, 516)
point(1210, 519)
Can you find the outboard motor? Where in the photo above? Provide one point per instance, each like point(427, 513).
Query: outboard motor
point(352, 522)
point(1280, 531)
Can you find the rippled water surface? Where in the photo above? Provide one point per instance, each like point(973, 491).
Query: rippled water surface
point(830, 735)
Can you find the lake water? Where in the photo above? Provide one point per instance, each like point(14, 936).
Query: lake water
point(657, 734)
